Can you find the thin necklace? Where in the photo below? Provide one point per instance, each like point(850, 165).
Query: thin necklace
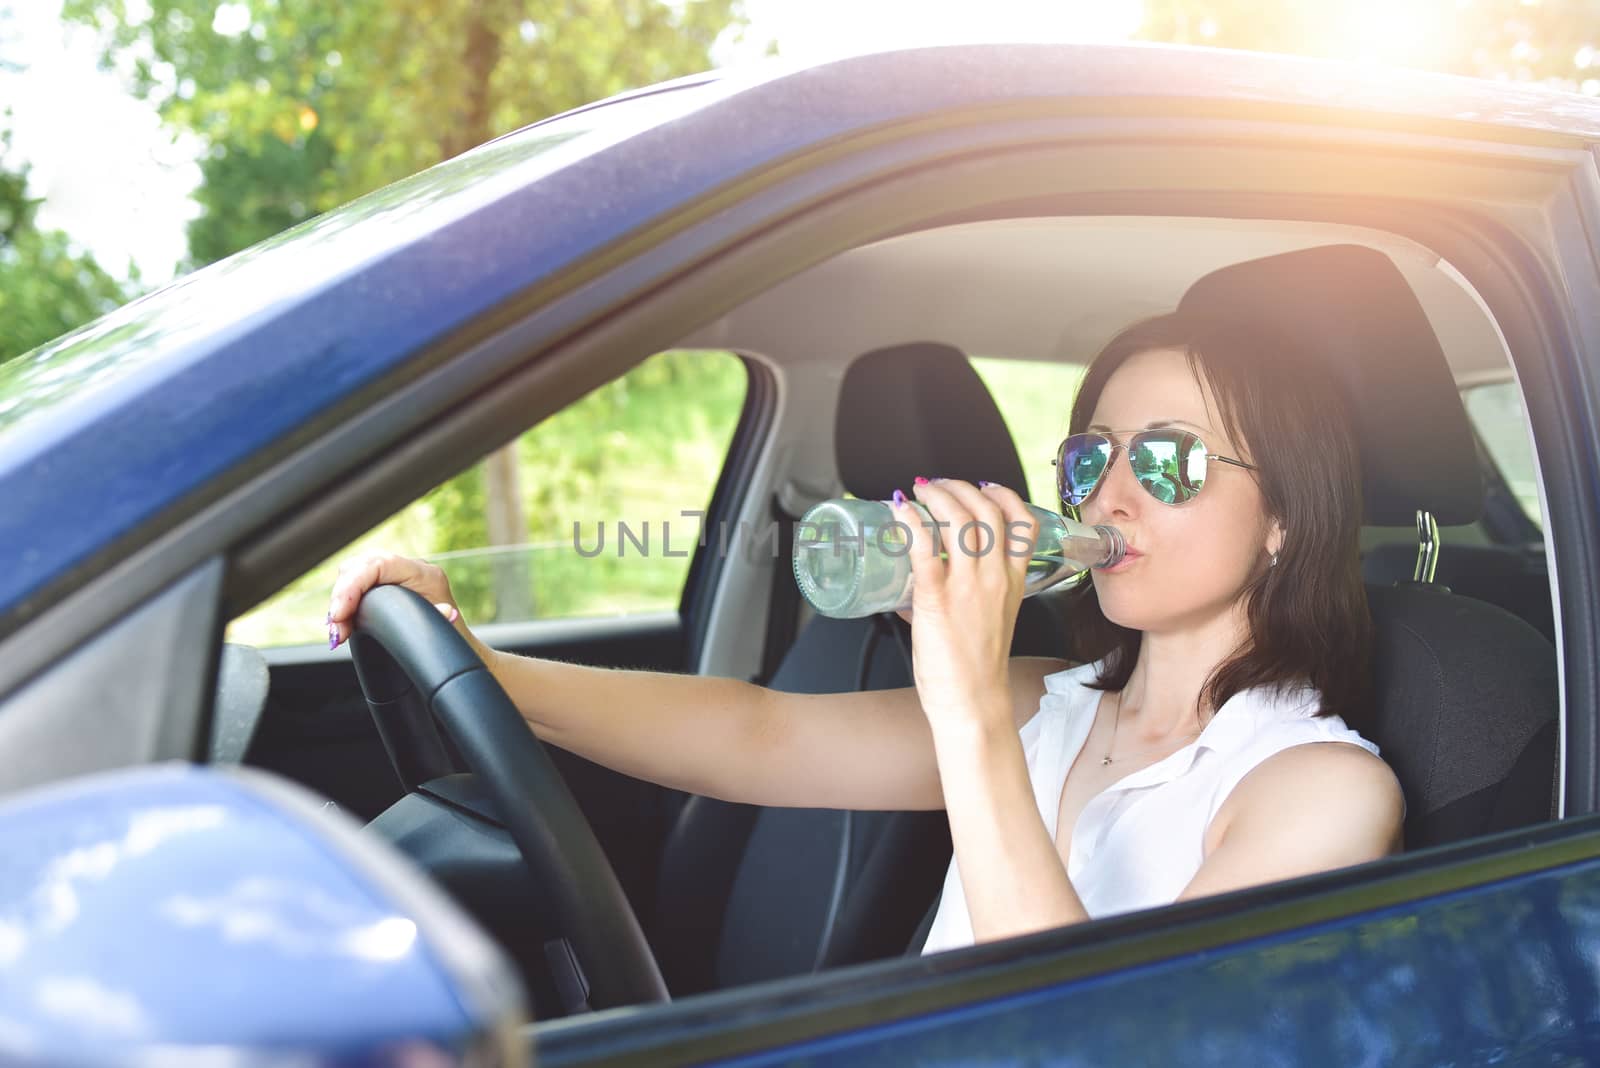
point(1117, 722)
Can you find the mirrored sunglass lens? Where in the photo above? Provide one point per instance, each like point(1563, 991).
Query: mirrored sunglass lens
point(1083, 461)
point(1169, 464)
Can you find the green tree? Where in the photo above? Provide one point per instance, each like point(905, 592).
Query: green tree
point(248, 192)
point(47, 285)
point(305, 105)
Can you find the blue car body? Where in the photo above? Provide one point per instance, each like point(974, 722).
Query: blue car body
point(256, 934)
point(126, 446)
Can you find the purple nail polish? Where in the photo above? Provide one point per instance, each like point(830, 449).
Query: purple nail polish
point(899, 499)
point(333, 642)
point(985, 485)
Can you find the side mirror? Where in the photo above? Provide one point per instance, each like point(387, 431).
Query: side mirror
point(173, 913)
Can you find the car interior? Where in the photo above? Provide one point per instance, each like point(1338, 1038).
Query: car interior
point(862, 375)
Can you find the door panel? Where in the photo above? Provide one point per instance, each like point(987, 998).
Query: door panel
point(1503, 975)
point(136, 692)
point(1343, 968)
point(318, 731)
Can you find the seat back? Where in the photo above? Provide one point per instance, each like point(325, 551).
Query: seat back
point(1465, 697)
point(748, 893)
point(1466, 712)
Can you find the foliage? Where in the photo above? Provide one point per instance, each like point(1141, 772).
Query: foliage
point(306, 105)
point(640, 450)
point(47, 286)
point(249, 192)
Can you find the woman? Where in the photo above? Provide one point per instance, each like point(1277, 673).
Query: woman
point(1202, 749)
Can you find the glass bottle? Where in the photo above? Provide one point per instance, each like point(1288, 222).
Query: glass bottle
point(852, 557)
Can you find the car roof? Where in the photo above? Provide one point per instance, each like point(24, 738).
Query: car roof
point(149, 404)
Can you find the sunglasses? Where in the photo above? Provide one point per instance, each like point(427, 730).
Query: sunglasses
point(1169, 463)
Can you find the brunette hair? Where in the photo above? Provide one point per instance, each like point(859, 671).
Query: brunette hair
point(1285, 410)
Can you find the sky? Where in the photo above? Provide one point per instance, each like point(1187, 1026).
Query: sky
point(111, 176)
point(117, 182)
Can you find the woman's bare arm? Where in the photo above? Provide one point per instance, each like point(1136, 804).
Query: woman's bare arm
point(722, 738)
point(740, 742)
point(1309, 808)
point(731, 739)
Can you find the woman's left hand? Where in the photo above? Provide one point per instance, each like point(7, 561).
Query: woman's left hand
point(965, 605)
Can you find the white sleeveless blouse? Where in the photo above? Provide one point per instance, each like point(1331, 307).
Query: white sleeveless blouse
point(1140, 841)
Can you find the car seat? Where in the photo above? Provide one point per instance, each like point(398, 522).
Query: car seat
point(1466, 699)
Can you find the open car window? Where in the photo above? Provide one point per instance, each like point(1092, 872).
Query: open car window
point(595, 511)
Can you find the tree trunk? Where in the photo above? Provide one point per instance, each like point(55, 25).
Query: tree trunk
point(502, 489)
point(508, 525)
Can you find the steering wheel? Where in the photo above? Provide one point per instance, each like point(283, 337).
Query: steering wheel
point(414, 667)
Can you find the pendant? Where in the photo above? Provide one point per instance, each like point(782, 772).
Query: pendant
point(1105, 761)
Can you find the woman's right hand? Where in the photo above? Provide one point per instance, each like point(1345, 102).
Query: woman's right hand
point(362, 573)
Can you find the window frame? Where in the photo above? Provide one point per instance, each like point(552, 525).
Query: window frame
point(537, 628)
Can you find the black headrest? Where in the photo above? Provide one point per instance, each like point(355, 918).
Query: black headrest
point(1350, 306)
point(919, 409)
